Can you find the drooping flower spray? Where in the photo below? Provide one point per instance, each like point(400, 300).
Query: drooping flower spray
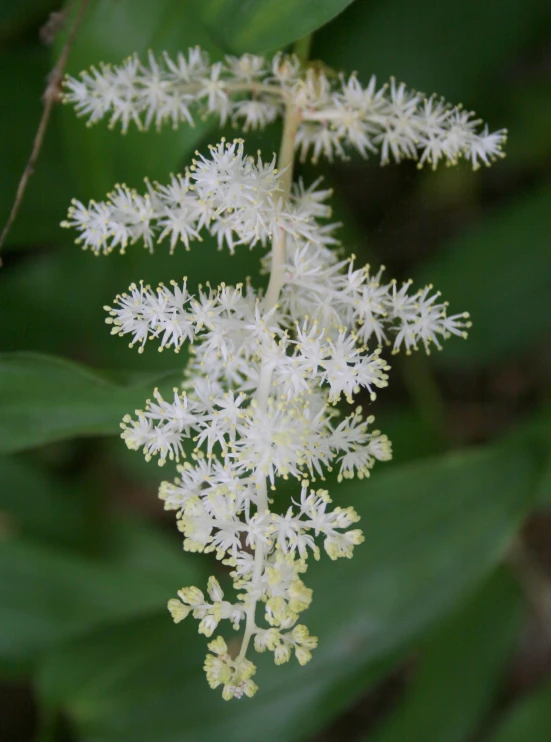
point(267, 369)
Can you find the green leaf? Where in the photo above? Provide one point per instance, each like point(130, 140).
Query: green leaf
point(156, 555)
point(36, 507)
point(102, 679)
point(536, 431)
point(112, 31)
point(529, 121)
point(45, 399)
point(457, 49)
point(544, 487)
point(258, 26)
point(66, 289)
point(461, 665)
point(433, 531)
point(49, 595)
point(411, 437)
point(528, 721)
point(500, 271)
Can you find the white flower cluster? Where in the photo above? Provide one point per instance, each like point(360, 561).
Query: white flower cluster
point(258, 399)
point(259, 394)
point(234, 197)
point(336, 113)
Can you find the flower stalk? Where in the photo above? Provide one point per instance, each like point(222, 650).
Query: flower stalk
point(267, 369)
point(285, 164)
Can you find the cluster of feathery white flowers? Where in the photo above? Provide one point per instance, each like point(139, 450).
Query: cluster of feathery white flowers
point(257, 401)
point(259, 392)
point(337, 112)
point(232, 196)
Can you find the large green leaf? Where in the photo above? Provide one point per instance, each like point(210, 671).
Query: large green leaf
point(456, 49)
point(461, 665)
point(264, 25)
point(36, 507)
point(44, 399)
point(433, 532)
point(528, 721)
point(500, 272)
point(535, 430)
point(49, 595)
point(67, 289)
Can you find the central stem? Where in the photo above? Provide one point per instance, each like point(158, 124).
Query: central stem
point(285, 164)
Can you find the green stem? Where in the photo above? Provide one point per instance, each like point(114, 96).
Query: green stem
point(302, 47)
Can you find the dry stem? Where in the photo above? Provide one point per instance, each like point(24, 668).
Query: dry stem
point(50, 96)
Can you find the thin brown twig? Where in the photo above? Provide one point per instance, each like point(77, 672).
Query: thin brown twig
point(51, 96)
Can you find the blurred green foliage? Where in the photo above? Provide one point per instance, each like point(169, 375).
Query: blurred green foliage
point(463, 659)
point(48, 399)
point(85, 571)
point(531, 719)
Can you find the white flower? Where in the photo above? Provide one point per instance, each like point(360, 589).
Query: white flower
point(258, 397)
point(257, 402)
point(259, 390)
point(337, 114)
point(485, 147)
point(246, 68)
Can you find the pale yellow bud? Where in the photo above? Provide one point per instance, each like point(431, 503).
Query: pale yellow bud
point(303, 655)
point(178, 610)
point(191, 595)
point(249, 688)
point(282, 654)
point(218, 646)
point(214, 589)
point(244, 670)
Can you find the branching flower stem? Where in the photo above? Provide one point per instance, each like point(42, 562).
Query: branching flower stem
point(285, 163)
point(50, 97)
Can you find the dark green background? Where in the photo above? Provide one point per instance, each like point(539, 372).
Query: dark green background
point(420, 632)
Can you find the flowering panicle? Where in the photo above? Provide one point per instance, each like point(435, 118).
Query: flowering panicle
point(267, 369)
point(232, 196)
point(251, 92)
